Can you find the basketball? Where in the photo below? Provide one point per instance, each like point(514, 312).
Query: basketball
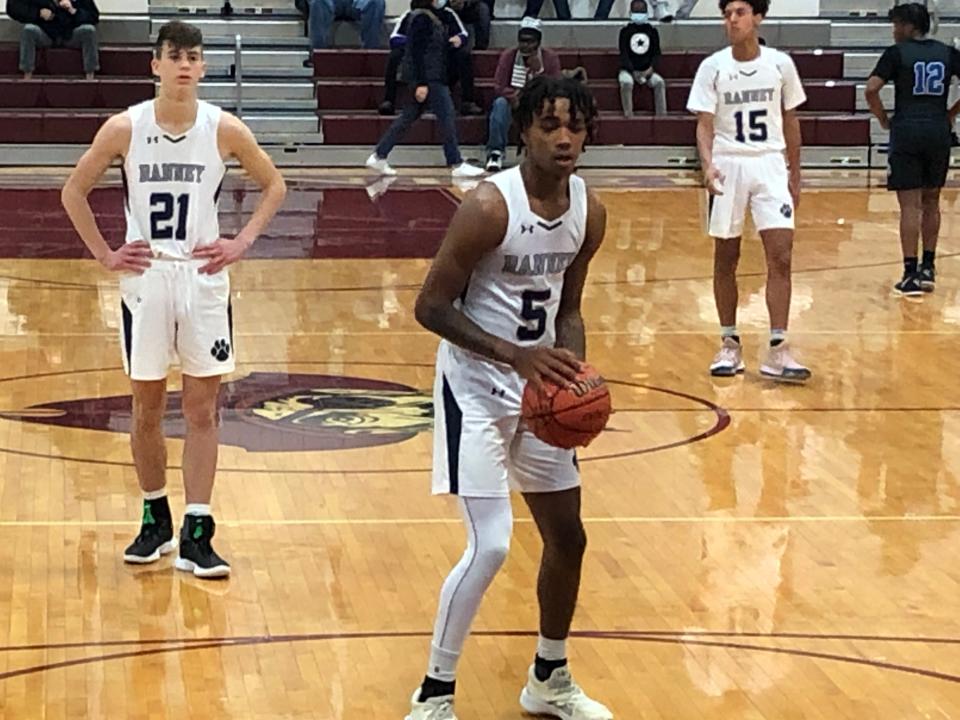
point(568, 416)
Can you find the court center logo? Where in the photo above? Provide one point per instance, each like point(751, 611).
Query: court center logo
point(274, 412)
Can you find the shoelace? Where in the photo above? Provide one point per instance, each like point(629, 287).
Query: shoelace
point(436, 713)
point(727, 354)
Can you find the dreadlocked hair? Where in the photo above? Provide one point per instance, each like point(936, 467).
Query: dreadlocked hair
point(543, 90)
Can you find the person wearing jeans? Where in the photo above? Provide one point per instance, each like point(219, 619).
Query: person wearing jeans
point(369, 13)
point(639, 52)
point(515, 68)
point(561, 7)
point(56, 23)
point(424, 67)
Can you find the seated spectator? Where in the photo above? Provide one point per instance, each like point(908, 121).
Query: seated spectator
point(459, 60)
point(639, 53)
point(424, 69)
point(515, 68)
point(477, 13)
point(322, 13)
point(562, 8)
point(56, 23)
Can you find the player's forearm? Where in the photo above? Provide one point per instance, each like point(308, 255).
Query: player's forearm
point(876, 107)
point(80, 214)
point(452, 325)
point(794, 141)
point(705, 144)
point(571, 335)
point(271, 199)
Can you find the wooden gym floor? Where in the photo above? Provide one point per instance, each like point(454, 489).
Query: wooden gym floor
point(756, 551)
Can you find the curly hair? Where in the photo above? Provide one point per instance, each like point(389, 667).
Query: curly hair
point(543, 90)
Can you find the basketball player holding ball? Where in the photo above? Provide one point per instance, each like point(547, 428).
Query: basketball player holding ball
point(504, 295)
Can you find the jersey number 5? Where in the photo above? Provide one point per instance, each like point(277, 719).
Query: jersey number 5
point(161, 215)
point(533, 314)
point(757, 120)
point(928, 78)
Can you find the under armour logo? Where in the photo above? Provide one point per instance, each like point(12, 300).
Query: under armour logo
point(153, 139)
point(499, 392)
point(526, 229)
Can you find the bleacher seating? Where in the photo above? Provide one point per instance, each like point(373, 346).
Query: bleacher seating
point(349, 85)
point(58, 105)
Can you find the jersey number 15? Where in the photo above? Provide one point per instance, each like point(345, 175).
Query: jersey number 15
point(162, 226)
point(757, 120)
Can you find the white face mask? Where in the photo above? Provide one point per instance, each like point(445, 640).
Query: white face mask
point(639, 18)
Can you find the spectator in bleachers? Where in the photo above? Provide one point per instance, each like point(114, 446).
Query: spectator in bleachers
point(561, 7)
point(459, 60)
point(424, 68)
point(368, 13)
point(56, 23)
point(477, 13)
point(515, 68)
point(639, 53)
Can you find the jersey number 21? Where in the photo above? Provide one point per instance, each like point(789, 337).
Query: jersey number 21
point(162, 226)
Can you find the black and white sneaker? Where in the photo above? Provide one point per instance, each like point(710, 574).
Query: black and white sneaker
point(494, 161)
point(909, 286)
point(196, 553)
point(156, 534)
point(928, 278)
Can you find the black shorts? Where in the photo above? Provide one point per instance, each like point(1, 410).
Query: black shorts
point(919, 155)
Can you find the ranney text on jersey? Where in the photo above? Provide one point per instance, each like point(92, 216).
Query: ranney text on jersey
point(747, 100)
point(172, 183)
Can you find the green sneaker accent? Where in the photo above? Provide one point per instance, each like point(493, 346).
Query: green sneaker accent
point(148, 518)
point(198, 532)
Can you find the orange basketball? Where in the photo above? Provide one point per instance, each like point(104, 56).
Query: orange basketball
point(568, 416)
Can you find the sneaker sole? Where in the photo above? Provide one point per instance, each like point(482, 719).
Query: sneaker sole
point(535, 706)
point(770, 373)
point(927, 287)
point(218, 571)
point(910, 293)
point(167, 547)
point(728, 372)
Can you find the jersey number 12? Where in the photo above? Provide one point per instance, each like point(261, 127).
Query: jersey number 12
point(928, 78)
point(161, 216)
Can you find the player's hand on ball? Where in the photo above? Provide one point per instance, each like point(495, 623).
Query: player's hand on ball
point(536, 364)
point(713, 179)
point(221, 253)
point(130, 257)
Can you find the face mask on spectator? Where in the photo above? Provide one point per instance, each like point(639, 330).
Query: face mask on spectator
point(639, 18)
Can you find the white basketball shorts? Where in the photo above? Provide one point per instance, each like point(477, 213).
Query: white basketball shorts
point(480, 446)
point(172, 311)
point(759, 182)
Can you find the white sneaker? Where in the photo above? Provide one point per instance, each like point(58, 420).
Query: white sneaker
point(380, 165)
point(467, 170)
point(435, 708)
point(729, 361)
point(781, 366)
point(560, 697)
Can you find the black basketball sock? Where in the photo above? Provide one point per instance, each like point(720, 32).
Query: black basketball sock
point(909, 266)
point(543, 669)
point(928, 258)
point(432, 688)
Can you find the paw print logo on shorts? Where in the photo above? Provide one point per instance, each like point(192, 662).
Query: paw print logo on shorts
point(220, 350)
point(786, 210)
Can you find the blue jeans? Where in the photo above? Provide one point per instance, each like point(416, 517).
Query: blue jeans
point(441, 105)
point(368, 12)
point(501, 117)
point(84, 37)
point(561, 6)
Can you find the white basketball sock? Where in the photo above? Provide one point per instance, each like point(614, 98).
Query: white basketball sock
point(155, 494)
point(548, 649)
point(197, 509)
point(489, 524)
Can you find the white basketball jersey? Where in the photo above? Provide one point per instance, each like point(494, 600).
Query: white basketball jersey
point(747, 100)
point(514, 291)
point(172, 184)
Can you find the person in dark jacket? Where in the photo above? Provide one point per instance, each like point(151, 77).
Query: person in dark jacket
point(56, 23)
point(424, 67)
point(459, 60)
point(639, 53)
